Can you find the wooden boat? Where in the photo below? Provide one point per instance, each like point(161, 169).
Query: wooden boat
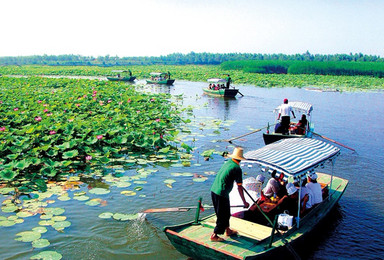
point(221, 88)
point(299, 109)
point(122, 75)
point(163, 78)
point(293, 157)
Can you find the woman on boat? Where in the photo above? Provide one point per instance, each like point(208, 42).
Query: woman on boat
point(300, 127)
point(221, 187)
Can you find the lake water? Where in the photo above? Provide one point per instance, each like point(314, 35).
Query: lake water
point(353, 231)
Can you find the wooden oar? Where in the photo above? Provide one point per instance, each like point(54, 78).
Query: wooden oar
point(180, 209)
point(240, 93)
point(329, 139)
point(255, 131)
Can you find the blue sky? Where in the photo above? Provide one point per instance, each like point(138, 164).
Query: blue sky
point(153, 28)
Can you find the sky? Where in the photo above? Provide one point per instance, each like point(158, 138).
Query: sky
point(127, 28)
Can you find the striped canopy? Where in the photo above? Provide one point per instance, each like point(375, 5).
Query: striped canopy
point(293, 156)
point(297, 105)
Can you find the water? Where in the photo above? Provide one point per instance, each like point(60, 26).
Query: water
point(353, 231)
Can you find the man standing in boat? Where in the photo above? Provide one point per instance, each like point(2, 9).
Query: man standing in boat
point(228, 81)
point(284, 113)
point(221, 187)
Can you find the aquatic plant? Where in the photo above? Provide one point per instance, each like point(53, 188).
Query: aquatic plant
point(49, 127)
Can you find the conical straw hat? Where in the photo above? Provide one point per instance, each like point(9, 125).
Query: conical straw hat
point(237, 154)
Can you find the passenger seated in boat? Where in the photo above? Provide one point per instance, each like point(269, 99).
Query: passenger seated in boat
point(301, 125)
point(210, 86)
point(288, 202)
point(279, 128)
point(315, 188)
point(306, 197)
point(275, 186)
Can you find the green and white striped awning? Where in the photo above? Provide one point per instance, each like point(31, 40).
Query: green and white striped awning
point(293, 156)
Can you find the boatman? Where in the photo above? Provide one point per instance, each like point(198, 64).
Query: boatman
point(229, 173)
point(284, 113)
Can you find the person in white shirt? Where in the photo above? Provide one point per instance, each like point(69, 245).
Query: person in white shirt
point(315, 188)
point(284, 113)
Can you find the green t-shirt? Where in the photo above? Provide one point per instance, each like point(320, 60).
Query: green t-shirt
point(228, 173)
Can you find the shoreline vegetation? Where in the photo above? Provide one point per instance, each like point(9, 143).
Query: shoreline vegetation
point(239, 74)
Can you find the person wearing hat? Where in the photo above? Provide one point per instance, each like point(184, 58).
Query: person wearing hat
point(229, 173)
point(284, 112)
point(315, 188)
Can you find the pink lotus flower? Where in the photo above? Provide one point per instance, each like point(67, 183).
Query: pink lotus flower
point(120, 103)
point(157, 120)
point(45, 110)
point(129, 100)
point(1, 102)
point(49, 114)
point(15, 109)
point(77, 105)
point(52, 132)
point(2, 129)
point(45, 105)
point(39, 101)
point(109, 101)
point(152, 99)
point(70, 120)
point(38, 118)
point(99, 137)
point(88, 157)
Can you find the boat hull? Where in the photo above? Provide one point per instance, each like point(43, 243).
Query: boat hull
point(271, 138)
point(253, 239)
point(126, 79)
point(223, 92)
point(162, 82)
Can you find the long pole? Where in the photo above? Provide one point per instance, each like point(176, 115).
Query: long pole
point(329, 139)
point(255, 131)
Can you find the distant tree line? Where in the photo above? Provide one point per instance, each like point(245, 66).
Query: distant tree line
point(180, 59)
point(335, 68)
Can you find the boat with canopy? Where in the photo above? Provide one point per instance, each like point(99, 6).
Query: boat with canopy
point(163, 78)
point(295, 130)
point(220, 87)
point(294, 158)
point(122, 75)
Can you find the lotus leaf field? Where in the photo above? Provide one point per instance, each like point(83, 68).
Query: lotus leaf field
point(52, 127)
point(202, 73)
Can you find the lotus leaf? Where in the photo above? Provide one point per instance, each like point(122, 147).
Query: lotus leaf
point(40, 229)
point(46, 223)
point(70, 154)
point(40, 243)
point(13, 217)
point(106, 215)
point(123, 184)
point(81, 198)
point(46, 216)
point(47, 255)
point(169, 185)
point(28, 236)
point(64, 198)
point(99, 191)
point(59, 218)
point(138, 188)
point(169, 181)
point(2, 218)
point(6, 190)
point(128, 193)
point(7, 223)
point(124, 217)
point(200, 179)
point(140, 182)
point(24, 214)
point(9, 208)
point(61, 224)
point(54, 211)
point(93, 202)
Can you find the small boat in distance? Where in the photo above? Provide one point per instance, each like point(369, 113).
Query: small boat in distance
point(220, 87)
point(269, 238)
point(163, 78)
point(299, 108)
point(122, 75)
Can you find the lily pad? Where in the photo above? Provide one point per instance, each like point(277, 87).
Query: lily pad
point(47, 255)
point(46, 223)
point(59, 218)
point(40, 243)
point(124, 217)
point(99, 191)
point(128, 193)
point(28, 236)
point(54, 211)
point(138, 188)
point(40, 229)
point(169, 181)
point(106, 215)
point(7, 223)
point(46, 216)
point(24, 214)
point(200, 179)
point(64, 198)
point(140, 182)
point(9, 208)
point(81, 198)
point(61, 224)
point(93, 202)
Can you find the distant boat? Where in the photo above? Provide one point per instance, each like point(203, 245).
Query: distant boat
point(122, 75)
point(220, 87)
point(268, 239)
point(163, 78)
point(299, 108)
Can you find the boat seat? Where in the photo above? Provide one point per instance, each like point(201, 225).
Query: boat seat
point(244, 227)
